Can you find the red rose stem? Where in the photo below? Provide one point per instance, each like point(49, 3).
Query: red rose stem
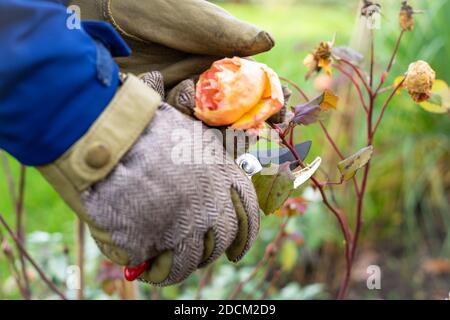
point(132, 273)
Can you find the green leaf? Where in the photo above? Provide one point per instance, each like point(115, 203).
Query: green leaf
point(288, 255)
point(273, 190)
point(436, 99)
point(303, 174)
point(439, 101)
point(349, 166)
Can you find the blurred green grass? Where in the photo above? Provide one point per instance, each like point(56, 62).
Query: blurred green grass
point(297, 30)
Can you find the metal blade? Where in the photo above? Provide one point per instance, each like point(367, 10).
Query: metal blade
point(282, 155)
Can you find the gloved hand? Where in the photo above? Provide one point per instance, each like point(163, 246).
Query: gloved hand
point(180, 216)
point(119, 177)
point(178, 38)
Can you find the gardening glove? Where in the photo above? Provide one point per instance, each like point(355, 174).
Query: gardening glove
point(178, 38)
point(123, 180)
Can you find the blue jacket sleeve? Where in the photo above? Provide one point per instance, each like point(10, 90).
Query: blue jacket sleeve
point(55, 80)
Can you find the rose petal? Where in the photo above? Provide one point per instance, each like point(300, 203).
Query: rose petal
point(238, 85)
point(272, 102)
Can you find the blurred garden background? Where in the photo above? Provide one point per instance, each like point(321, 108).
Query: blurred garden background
point(406, 230)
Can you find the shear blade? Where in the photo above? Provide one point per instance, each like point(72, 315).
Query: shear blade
point(282, 155)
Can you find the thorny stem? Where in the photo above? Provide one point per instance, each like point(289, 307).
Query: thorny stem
point(275, 277)
point(359, 74)
point(386, 103)
point(339, 153)
point(266, 274)
point(17, 203)
point(9, 178)
point(81, 230)
point(156, 293)
point(385, 89)
point(370, 135)
point(241, 284)
point(12, 265)
point(204, 281)
point(358, 224)
point(271, 250)
point(356, 85)
point(372, 60)
point(291, 136)
point(335, 183)
point(328, 136)
point(351, 242)
point(292, 83)
point(20, 230)
point(340, 217)
point(397, 45)
point(12, 193)
point(391, 61)
point(360, 199)
point(41, 273)
point(330, 139)
point(278, 130)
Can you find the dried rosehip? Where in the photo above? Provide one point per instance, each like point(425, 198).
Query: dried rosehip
point(419, 80)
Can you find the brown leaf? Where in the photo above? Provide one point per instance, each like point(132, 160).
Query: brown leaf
point(349, 166)
point(309, 112)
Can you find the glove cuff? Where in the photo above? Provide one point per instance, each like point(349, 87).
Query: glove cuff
point(96, 154)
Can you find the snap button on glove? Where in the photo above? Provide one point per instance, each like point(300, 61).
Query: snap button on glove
point(178, 216)
point(178, 38)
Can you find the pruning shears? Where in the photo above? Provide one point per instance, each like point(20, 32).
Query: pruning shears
point(253, 162)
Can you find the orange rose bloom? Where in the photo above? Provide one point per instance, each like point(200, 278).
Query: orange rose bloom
point(238, 93)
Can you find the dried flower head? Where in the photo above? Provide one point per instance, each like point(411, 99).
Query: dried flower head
point(419, 80)
point(320, 58)
point(406, 17)
point(369, 8)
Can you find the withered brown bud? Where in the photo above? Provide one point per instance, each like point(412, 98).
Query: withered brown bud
point(66, 250)
point(419, 80)
point(406, 17)
point(7, 250)
point(323, 51)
